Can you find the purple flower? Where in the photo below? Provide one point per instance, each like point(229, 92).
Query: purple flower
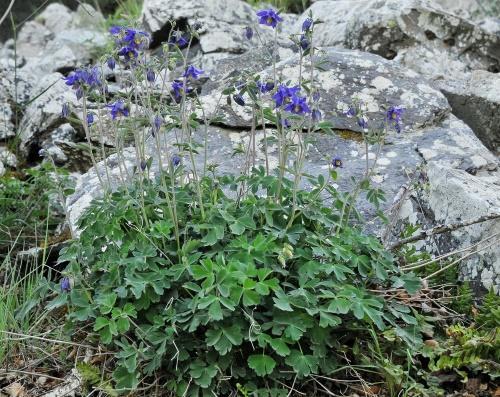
point(84, 77)
point(65, 284)
point(135, 38)
point(248, 33)
point(129, 41)
point(316, 115)
point(265, 87)
point(284, 93)
point(315, 96)
point(298, 105)
point(90, 119)
point(238, 98)
point(286, 123)
point(394, 115)
point(362, 122)
point(176, 160)
point(306, 25)
point(111, 63)
point(118, 108)
point(144, 164)
point(114, 30)
point(79, 93)
point(65, 110)
point(269, 17)
point(179, 88)
point(157, 122)
point(192, 72)
point(337, 162)
point(179, 39)
point(182, 42)
point(150, 75)
point(128, 53)
point(351, 112)
point(304, 42)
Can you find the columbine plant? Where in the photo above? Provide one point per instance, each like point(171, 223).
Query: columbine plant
point(212, 292)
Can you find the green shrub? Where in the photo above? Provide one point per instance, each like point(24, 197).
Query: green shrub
point(246, 297)
point(30, 207)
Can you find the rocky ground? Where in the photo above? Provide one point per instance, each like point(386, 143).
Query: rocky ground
point(438, 59)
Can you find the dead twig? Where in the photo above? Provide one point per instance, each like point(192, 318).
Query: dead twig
point(17, 371)
point(439, 229)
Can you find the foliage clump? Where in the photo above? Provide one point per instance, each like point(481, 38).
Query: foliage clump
point(246, 297)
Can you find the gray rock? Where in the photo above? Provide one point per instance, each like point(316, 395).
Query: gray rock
point(51, 143)
point(2, 169)
point(456, 196)
point(7, 129)
point(55, 17)
point(44, 113)
point(345, 76)
point(491, 25)
point(222, 26)
point(453, 196)
point(32, 39)
point(464, 8)
point(477, 102)
point(8, 158)
point(60, 40)
point(395, 28)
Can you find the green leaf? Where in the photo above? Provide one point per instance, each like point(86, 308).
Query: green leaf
point(303, 365)
point(122, 324)
point(280, 347)
point(234, 335)
point(339, 305)
point(215, 311)
point(212, 336)
point(125, 380)
point(328, 320)
point(61, 300)
point(250, 297)
point(100, 322)
point(106, 302)
point(261, 364)
point(282, 302)
point(202, 373)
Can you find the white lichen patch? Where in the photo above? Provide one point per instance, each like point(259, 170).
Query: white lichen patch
point(367, 100)
point(409, 99)
point(328, 81)
point(384, 161)
point(381, 83)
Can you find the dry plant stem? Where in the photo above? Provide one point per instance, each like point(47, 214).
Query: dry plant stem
point(443, 229)
point(101, 139)
point(4, 16)
point(266, 150)
point(17, 371)
point(89, 142)
point(301, 147)
point(419, 265)
point(25, 337)
point(460, 260)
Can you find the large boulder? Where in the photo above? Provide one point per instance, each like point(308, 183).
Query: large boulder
point(346, 76)
point(477, 102)
point(59, 40)
point(394, 28)
point(424, 36)
point(220, 25)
